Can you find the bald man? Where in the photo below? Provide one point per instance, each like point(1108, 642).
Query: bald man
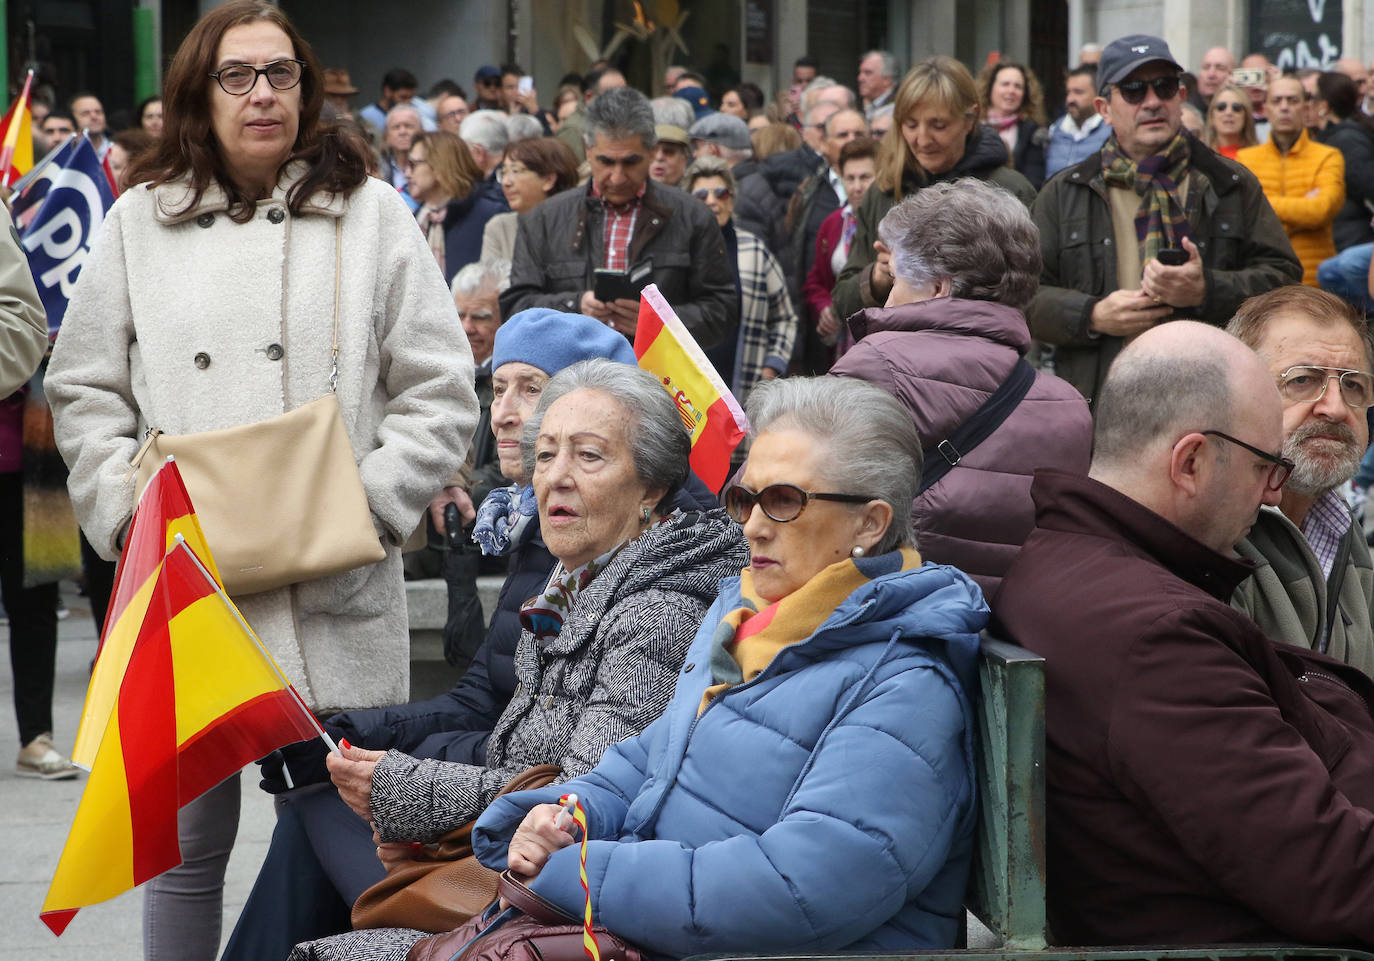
point(1214, 73)
point(1203, 786)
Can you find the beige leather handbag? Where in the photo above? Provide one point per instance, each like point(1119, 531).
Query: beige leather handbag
point(281, 501)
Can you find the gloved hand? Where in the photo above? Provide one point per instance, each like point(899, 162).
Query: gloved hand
point(304, 759)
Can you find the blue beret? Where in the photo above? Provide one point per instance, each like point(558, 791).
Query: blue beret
point(551, 340)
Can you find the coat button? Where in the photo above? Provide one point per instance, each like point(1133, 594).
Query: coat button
point(205, 220)
point(274, 351)
point(1225, 226)
point(1107, 241)
point(688, 668)
point(202, 360)
point(1073, 235)
point(276, 215)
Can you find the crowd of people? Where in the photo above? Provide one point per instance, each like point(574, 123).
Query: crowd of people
point(1098, 386)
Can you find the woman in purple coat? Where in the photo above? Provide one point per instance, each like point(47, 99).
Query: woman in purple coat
point(965, 258)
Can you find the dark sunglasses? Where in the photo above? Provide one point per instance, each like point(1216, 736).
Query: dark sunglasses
point(1278, 473)
point(780, 502)
point(701, 193)
point(1133, 91)
point(1223, 107)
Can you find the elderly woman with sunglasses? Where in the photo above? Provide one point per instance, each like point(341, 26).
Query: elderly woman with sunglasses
point(211, 301)
point(810, 787)
point(767, 322)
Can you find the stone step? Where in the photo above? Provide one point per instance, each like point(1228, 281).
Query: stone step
point(427, 606)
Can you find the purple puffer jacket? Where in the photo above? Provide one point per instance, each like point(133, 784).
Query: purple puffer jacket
point(942, 359)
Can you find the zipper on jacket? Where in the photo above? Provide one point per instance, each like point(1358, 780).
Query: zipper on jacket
point(1331, 679)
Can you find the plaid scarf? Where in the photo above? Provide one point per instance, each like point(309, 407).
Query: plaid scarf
point(1162, 220)
point(747, 638)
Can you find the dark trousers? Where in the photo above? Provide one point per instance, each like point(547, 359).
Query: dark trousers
point(33, 619)
point(321, 858)
point(100, 575)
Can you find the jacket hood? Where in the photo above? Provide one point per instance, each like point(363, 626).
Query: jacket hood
point(934, 605)
point(785, 171)
point(171, 200)
point(984, 151)
point(978, 318)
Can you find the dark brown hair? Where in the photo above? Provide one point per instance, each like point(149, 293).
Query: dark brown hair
point(1032, 96)
point(860, 148)
point(546, 155)
point(188, 145)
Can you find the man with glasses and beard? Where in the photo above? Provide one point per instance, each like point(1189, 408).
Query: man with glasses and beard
point(1152, 227)
point(1314, 580)
point(1204, 783)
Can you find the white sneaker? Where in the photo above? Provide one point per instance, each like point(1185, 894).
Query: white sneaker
point(39, 759)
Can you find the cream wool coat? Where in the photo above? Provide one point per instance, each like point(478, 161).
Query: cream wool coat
point(186, 321)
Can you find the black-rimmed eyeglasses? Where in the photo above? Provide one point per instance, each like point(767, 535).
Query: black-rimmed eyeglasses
point(780, 502)
point(1281, 466)
point(237, 79)
point(1133, 91)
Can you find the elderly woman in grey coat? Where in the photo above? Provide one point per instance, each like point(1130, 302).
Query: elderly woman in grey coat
point(209, 302)
point(602, 644)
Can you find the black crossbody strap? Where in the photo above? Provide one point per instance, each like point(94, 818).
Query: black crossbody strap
point(979, 427)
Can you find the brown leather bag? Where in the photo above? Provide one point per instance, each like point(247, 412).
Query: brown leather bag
point(449, 886)
point(537, 931)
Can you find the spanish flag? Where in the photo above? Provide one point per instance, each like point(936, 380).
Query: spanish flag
point(183, 696)
point(16, 137)
point(163, 512)
point(709, 411)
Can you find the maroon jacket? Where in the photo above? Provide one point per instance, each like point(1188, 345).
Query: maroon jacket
point(942, 359)
point(1205, 784)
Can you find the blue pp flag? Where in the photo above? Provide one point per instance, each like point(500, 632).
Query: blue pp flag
point(70, 212)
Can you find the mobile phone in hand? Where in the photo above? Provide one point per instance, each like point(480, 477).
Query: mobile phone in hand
point(1172, 256)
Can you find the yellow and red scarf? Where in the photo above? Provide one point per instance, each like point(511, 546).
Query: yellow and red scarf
point(750, 636)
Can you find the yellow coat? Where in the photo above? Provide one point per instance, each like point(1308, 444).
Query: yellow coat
point(1306, 188)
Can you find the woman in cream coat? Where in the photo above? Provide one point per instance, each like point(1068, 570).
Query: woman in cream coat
point(208, 303)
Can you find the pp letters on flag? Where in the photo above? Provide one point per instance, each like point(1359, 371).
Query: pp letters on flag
point(59, 237)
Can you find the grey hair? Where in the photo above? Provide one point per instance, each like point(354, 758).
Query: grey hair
point(710, 167)
point(521, 126)
point(869, 444)
point(825, 124)
point(480, 275)
point(978, 236)
point(823, 83)
point(889, 62)
point(1147, 396)
point(673, 110)
point(486, 129)
point(653, 427)
point(619, 114)
point(403, 108)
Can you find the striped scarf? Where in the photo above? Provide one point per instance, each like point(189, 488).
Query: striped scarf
point(750, 636)
point(1162, 220)
point(431, 220)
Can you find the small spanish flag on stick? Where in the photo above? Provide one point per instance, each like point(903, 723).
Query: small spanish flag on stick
point(16, 137)
point(709, 411)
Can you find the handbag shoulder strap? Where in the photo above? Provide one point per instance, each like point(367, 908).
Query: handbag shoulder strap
point(978, 427)
point(519, 895)
point(338, 264)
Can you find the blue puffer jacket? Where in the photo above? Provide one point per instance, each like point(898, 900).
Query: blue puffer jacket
point(828, 804)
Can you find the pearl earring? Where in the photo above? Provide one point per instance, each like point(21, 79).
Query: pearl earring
point(857, 552)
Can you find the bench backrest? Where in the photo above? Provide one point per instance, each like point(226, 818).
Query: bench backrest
point(1007, 889)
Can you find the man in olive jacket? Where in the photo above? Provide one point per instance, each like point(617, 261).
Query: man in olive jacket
point(1153, 193)
point(621, 221)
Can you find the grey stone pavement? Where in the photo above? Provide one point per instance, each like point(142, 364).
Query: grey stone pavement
point(36, 816)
